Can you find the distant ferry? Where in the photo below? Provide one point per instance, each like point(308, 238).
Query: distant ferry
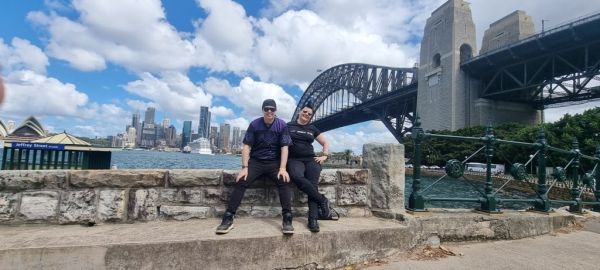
point(199, 146)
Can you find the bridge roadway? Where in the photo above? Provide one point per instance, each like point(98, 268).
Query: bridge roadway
point(568, 250)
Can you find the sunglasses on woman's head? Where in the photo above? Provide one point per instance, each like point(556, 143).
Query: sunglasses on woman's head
point(307, 112)
point(266, 109)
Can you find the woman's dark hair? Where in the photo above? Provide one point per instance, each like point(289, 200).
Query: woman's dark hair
point(308, 105)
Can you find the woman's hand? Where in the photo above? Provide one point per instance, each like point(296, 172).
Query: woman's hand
point(320, 159)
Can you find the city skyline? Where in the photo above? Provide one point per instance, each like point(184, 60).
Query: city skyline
point(87, 67)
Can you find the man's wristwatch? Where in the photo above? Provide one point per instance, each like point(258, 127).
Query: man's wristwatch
point(244, 166)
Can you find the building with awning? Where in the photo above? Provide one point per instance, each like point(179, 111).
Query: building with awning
point(60, 151)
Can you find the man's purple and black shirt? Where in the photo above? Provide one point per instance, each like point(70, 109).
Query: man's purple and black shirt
point(266, 142)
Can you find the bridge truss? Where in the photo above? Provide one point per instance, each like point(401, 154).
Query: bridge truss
point(561, 65)
point(352, 93)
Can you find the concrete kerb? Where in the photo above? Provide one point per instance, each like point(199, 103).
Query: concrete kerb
point(256, 243)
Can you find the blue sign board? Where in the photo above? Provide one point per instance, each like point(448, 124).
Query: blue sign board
point(37, 146)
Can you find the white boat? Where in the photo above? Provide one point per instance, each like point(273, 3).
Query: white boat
point(200, 146)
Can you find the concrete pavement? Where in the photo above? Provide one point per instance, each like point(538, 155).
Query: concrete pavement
point(574, 250)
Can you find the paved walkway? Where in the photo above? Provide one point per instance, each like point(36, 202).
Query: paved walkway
point(575, 250)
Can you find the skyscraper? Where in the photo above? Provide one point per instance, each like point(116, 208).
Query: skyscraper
point(149, 117)
point(186, 133)
point(204, 123)
point(214, 135)
point(224, 134)
point(171, 136)
point(235, 140)
point(135, 122)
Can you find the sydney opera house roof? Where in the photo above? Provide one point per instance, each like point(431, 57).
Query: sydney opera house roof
point(30, 130)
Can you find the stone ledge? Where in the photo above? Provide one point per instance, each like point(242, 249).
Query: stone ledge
point(253, 244)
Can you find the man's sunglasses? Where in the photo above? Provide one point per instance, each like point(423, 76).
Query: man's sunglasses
point(307, 113)
point(266, 109)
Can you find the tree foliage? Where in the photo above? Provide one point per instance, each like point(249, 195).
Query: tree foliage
point(585, 128)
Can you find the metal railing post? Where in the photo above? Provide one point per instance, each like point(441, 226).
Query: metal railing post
point(416, 203)
point(577, 207)
point(490, 203)
point(542, 203)
point(597, 177)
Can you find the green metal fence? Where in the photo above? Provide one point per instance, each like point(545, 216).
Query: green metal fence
point(488, 200)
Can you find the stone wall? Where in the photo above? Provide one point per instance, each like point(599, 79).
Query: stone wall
point(88, 197)
point(119, 196)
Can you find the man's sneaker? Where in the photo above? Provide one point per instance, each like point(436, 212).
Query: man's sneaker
point(287, 227)
point(313, 225)
point(226, 224)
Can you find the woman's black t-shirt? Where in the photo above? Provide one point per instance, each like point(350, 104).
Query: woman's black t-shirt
point(302, 137)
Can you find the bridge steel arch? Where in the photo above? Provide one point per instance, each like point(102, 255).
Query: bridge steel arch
point(353, 93)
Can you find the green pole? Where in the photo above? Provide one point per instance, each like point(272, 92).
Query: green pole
point(490, 203)
point(577, 207)
point(543, 203)
point(4, 155)
point(597, 177)
point(416, 203)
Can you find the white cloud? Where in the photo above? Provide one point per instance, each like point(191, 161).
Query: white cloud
point(348, 138)
point(221, 111)
point(22, 55)
point(141, 106)
point(107, 31)
point(240, 122)
point(228, 15)
point(29, 93)
point(250, 94)
point(554, 114)
point(174, 93)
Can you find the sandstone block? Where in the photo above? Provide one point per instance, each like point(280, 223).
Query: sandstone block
point(23, 180)
point(182, 195)
point(8, 203)
point(214, 196)
point(242, 211)
point(254, 196)
point(229, 177)
point(331, 194)
point(39, 206)
point(112, 205)
point(265, 211)
point(353, 195)
point(329, 177)
point(143, 204)
point(117, 178)
point(353, 176)
point(78, 207)
point(192, 178)
point(184, 212)
point(386, 165)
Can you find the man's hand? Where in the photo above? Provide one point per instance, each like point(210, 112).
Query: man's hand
point(283, 175)
point(242, 175)
point(320, 159)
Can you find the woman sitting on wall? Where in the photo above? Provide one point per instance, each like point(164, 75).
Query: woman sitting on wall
point(304, 166)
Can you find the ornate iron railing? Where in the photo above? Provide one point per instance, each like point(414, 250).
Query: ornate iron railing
point(488, 200)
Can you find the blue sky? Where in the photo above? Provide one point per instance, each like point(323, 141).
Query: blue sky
point(85, 66)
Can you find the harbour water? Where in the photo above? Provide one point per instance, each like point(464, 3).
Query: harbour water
point(460, 188)
point(173, 160)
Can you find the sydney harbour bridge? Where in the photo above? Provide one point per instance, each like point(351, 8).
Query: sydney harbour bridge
point(513, 78)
